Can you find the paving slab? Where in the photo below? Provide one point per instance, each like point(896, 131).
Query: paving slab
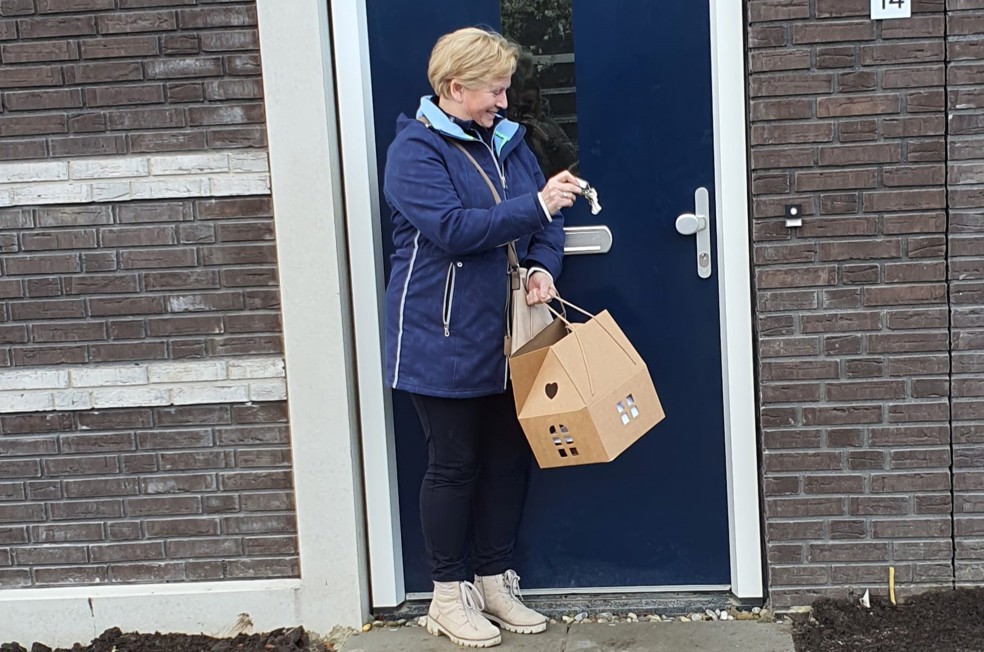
point(589, 637)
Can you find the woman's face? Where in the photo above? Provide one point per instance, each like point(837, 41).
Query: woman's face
point(483, 103)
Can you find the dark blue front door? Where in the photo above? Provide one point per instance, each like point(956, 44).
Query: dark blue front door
point(635, 100)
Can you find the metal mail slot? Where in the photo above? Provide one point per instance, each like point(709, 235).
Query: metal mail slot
point(581, 240)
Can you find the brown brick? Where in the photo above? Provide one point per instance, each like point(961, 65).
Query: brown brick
point(86, 509)
point(180, 43)
point(804, 507)
point(905, 294)
point(856, 82)
point(910, 482)
point(137, 21)
point(56, 26)
point(39, 52)
point(857, 105)
point(896, 53)
point(833, 484)
point(908, 127)
point(11, 150)
point(71, 6)
point(271, 434)
point(137, 551)
point(116, 95)
point(242, 64)
point(832, 32)
point(836, 180)
point(120, 47)
point(155, 572)
point(41, 124)
point(30, 76)
point(259, 524)
point(847, 552)
point(860, 154)
point(245, 345)
point(842, 414)
point(87, 146)
point(911, 529)
point(839, 203)
point(914, 76)
point(836, 57)
point(230, 40)
point(185, 92)
point(216, 17)
point(184, 68)
point(128, 351)
point(158, 258)
point(68, 332)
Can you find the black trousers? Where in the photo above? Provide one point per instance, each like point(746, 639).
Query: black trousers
point(472, 495)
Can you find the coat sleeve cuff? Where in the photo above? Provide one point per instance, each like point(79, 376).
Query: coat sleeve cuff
point(529, 272)
point(543, 205)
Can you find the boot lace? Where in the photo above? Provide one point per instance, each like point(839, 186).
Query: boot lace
point(510, 580)
point(471, 600)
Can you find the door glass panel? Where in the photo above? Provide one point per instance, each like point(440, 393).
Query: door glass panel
point(543, 93)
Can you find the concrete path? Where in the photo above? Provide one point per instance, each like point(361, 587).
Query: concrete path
point(623, 637)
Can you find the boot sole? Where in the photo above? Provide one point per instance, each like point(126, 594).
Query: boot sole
point(516, 629)
point(433, 627)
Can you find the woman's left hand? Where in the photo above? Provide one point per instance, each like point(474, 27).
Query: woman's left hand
point(539, 288)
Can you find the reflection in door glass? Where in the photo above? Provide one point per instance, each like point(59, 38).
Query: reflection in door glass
point(541, 96)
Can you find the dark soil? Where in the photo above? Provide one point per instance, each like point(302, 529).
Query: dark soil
point(113, 640)
point(939, 621)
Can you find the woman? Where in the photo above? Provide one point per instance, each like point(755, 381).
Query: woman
point(446, 320)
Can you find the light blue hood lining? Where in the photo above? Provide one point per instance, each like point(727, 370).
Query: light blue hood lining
point(504, 129)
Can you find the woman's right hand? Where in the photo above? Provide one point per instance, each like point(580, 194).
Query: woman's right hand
point(560, 191)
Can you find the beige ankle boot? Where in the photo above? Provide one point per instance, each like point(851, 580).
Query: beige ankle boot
point(504, 605)
point(456, 612)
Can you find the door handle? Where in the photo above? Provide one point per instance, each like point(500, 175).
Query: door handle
point(698, 223)
point(580, 240)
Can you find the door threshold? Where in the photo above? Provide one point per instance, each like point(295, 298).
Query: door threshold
point(607, 590)
point(665, 601)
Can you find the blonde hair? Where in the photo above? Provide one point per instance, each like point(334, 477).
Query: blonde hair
point(471, 55)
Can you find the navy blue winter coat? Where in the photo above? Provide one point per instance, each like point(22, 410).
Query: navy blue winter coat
point(448, 290)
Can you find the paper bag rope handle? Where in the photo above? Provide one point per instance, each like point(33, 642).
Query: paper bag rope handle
point(577, 337)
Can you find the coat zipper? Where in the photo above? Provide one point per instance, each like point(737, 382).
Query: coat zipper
point(502, 179)
point(495, 162)
point(448, 298)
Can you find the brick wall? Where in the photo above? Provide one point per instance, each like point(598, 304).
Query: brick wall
point(848, 121)
point(135, 228)
point(138, 281)
point(146, 495)
point(106, 77)
point(965, 187)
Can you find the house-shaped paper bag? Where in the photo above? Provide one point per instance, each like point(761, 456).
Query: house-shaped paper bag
point(583, 394)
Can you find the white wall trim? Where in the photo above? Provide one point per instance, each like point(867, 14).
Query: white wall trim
point(143, 384)
point(355, 113)
point(734, 283)
point(60, 617)
point(313, 267)
point(126, 178)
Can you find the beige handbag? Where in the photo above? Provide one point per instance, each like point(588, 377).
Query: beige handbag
point(524, 321)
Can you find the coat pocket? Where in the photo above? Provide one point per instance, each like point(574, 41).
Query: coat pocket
point(448, 298)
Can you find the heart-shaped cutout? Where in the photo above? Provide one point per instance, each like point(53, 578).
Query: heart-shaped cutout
point(551, 390)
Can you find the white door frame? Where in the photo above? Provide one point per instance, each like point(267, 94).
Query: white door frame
point(355, 111)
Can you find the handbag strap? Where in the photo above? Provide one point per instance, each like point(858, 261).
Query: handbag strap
point(511, 249)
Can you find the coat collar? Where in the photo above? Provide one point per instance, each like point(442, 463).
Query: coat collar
point(503, 132)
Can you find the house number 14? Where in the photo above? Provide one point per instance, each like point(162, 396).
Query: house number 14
point(882, 9)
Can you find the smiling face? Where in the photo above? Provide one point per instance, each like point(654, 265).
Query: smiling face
point(481, 103)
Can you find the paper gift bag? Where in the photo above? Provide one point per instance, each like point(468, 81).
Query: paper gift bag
point(583, 393)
